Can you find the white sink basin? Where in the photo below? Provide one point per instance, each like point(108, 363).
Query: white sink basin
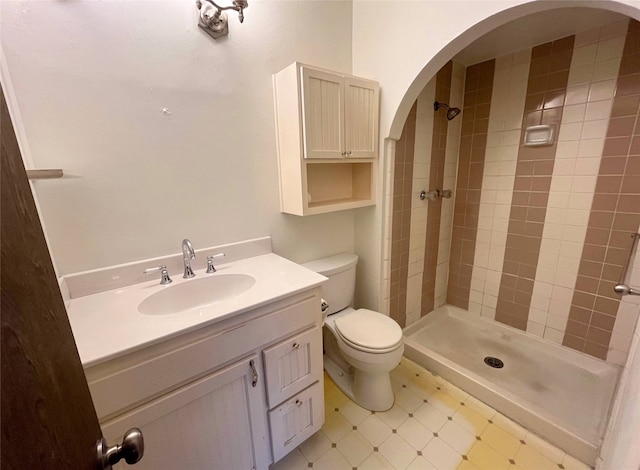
point(196, 293)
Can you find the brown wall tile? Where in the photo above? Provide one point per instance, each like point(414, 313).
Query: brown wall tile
point(401, 218)
point(476, 109)
point(546, 88)
point(615, 214)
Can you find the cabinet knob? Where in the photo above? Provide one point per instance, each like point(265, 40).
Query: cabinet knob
point(298, 403)
point(296, 345)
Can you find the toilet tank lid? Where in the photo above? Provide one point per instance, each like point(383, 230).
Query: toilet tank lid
point(332, 264)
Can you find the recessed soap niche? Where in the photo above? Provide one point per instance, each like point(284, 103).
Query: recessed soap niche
point(535, 136)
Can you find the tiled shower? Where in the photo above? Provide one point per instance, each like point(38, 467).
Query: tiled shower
point(534, 237)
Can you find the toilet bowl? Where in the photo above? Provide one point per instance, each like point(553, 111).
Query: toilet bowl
point(361, 346)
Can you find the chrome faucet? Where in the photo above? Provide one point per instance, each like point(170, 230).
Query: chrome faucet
point(187, 255)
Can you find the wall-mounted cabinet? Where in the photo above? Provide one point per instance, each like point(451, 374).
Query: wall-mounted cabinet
point(327, 131)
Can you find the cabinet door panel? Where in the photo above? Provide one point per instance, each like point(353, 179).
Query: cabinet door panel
point(217, 422)
point(322, 103)
point(293, 365)
point(361, 118)
point(296, 420)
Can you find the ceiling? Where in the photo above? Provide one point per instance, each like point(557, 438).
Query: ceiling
point(534, 29)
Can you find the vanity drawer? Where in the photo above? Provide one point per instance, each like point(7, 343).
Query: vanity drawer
point(296, 420)
point(148, 373)
point(293, 365)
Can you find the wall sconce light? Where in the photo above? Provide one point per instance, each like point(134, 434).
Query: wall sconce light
point(213, 19)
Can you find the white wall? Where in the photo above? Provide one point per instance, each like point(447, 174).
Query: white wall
point(91, 80)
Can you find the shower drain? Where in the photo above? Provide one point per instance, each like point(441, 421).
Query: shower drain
point(494, 362)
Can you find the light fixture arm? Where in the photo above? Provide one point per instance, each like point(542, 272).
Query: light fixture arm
point(212, 18)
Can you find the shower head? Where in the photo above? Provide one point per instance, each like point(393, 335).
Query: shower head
point(451, 112)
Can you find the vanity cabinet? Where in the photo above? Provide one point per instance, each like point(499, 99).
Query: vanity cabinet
point(327, 132)
point(239, 394)
point(217, 419)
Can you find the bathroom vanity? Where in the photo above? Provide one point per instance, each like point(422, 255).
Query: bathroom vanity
point(234, 384)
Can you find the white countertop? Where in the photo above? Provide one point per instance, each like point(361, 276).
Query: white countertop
point(107, 324)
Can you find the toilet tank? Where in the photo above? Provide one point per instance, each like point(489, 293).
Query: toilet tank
point(341, 271)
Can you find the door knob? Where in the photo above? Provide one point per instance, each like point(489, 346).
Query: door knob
point(131, 450)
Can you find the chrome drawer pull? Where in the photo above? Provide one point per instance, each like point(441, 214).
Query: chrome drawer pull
point(254, 382)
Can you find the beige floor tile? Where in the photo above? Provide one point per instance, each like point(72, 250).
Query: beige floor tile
point(501, 441)
point(423, 387)
point(292, 461)
point(471, 420)
point(486, 458)
point(441, 454)
point(457, 437)
point(530, 459)
point(334, 398)
point(420, 463)
point(397, 451)
point(336, 426)
point(375, 462)
point(408, 369)
point(408, 400)
point(466, 465)
point(393, 417)
point(427, 440)
point(374, 430)
point(397, 383)
point(515, 467)
point(430, 416)
point(415, 433)
point(332, 460)
point(354, 448)
point(353, 413)
point(410, 365)
point(315, 447)
point(444, 402)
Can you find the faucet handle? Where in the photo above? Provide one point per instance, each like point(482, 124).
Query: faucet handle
point(210, 267)
point(163, 271)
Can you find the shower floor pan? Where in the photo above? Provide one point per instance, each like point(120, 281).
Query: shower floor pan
point(560, 394)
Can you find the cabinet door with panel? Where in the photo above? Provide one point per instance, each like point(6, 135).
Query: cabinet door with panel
point(323, 110)
point(361, 117)
point(216, 422)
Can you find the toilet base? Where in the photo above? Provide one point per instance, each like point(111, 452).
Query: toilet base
point(370, 391)
point(342, 379)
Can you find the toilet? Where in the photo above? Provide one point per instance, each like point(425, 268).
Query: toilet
point(361, 347)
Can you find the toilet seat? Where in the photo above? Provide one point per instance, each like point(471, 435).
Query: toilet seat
point(369, 331)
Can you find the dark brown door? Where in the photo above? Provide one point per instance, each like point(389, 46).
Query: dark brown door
point(48, 420)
